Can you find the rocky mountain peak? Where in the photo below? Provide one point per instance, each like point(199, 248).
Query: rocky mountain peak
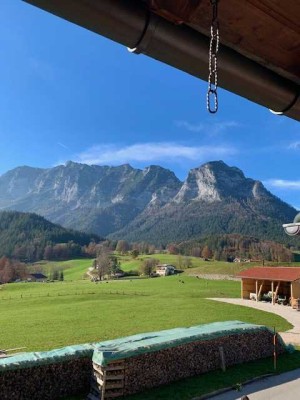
point(215, 181)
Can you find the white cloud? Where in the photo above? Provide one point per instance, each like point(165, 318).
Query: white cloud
point(190, 127)
point(283, 184)
point(214, 128)
point(151, 152)
point(294, 145)
point(63, 146)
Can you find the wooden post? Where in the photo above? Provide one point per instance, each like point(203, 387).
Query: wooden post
point(260, 290)
point(103, 386)
point(256, 290)
point(292, 294)
point(242, 289)
point(222, 355)
point(274, 349)
point(272, 292)
point(276, 291)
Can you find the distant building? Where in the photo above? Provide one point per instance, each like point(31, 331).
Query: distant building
point(165, 270)
point(38, 277)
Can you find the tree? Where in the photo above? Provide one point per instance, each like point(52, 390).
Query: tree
point(103, 262)
point(179, 261)
point(196, 252)
point(151, 249)
point(61, 276)
point(206, 252)
point(122, 247)
point(55, 276)
point(148, 266)
point(48, 253)
point(135, 253)
point(187, 262)
point(114, 264)
point(173, 249)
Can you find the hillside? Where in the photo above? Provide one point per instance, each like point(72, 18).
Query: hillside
point(26, 236)
point(148, 205)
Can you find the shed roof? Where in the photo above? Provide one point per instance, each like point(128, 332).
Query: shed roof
point(287, 274)
point(38, 275)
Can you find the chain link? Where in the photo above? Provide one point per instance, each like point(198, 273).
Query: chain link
point(212, 92)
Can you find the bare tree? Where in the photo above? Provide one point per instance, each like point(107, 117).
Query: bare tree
point(179, 261)
point(148, 266)
point(187, 262)
point(122, 246)
point(103, 262)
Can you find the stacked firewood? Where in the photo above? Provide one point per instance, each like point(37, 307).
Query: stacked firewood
point(134, 374)
point(47, 382)
point(166, 366)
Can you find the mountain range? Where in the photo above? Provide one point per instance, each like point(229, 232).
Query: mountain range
point(151, 204)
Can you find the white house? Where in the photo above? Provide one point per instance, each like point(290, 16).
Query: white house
point(165, 269)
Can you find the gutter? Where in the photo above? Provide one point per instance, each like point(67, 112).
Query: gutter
point(130, 23)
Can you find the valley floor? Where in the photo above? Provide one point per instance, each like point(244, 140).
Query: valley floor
point(44, 316)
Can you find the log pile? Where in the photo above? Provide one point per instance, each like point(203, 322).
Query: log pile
point(47, 382)
point(153, 369)
point(133, 364)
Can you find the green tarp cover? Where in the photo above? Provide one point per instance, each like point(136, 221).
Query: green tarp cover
point(154, 341)
point(28, 360)
point(104, 352)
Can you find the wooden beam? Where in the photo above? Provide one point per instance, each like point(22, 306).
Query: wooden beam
point(242, 289)
point(260, 289)
point(272, 288)
point(256, 290)
point(175, 11)
point(276, 292)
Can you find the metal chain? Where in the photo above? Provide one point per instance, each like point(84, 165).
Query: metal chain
point(212, 92)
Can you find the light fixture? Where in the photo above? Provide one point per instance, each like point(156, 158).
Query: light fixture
point(293, 229)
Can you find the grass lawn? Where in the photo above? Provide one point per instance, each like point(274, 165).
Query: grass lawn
point(186, 389)
point(42, 316)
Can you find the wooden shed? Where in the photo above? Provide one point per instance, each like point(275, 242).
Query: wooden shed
point(276, 282)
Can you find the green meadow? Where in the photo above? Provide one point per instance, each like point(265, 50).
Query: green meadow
point(198, 265)
point(43, 316)
point(75, 270)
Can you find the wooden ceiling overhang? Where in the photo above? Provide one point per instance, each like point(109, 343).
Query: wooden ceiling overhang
point(265, 31)
point(259, 56)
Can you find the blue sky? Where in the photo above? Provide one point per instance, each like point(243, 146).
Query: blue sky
point(69, 94)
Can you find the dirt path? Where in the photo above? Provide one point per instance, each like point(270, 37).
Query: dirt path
point(288, 313)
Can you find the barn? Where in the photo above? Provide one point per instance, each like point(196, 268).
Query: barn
point(274, 284)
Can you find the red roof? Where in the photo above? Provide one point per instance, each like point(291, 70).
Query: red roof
point(288, 274)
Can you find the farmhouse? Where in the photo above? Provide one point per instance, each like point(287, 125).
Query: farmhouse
point(165, 269)
point(37, 277)
point(274, 284)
